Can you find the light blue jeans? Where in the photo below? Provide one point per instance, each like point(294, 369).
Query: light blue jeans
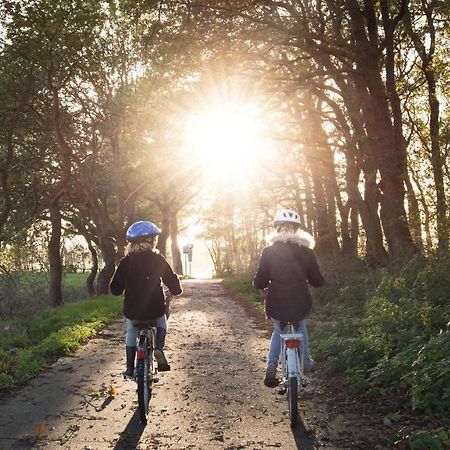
point(133, 332)
point(275, 343)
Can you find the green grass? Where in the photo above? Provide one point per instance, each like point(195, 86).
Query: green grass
point(75, 280)
point(29, 343)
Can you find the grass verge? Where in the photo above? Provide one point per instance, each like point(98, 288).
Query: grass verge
point(29, 343)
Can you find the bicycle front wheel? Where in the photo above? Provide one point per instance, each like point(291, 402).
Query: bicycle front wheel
point(144, 391)
point(292, 394)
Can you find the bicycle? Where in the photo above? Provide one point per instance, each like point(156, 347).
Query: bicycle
point(145, 368)
point(291, 356)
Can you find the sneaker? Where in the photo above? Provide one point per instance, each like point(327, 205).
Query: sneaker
point(271, 379)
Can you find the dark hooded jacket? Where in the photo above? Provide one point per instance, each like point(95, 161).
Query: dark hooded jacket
point(287, 268)
point(139, 275)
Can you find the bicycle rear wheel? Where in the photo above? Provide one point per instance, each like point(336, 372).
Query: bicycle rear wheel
point(144, 389)
point(292, 394)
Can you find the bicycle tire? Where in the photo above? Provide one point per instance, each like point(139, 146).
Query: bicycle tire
point(144, 392)
point(292, 394)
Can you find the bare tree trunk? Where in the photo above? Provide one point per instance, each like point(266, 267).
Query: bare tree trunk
point(426, 212)
point(354, 221)
point(436, 162)
point(310, 220)
point(54, 256)
point(106, 243)
point(165, 232)
point(428, 69)
point(176, 255)
point(109, 258)
point(414, 214)
point(319, 158)
point(376, 254)
point(94, 269)
point(389, 156)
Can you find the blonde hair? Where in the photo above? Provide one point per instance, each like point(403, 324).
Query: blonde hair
point(144, 246)
point(287, 227)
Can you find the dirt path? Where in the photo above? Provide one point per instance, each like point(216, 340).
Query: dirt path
point(213, 398)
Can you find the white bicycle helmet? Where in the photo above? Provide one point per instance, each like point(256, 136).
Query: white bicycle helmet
point(286, 215)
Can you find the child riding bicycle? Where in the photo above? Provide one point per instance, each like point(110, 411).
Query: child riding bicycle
point(287, 267)
point(139, 274)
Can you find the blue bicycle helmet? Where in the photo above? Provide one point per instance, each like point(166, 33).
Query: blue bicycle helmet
point(142, 230)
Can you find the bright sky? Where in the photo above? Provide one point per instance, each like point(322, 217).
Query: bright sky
point(229, 140)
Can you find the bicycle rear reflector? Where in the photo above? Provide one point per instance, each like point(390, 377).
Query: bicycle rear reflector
point(140, 354)
point(292, 343)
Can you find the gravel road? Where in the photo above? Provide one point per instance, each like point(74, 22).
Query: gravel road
point(213, 398)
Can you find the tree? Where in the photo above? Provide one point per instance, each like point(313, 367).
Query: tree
point(421, 24)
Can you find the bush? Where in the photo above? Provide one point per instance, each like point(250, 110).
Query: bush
point(430, 376)
point(438, 439)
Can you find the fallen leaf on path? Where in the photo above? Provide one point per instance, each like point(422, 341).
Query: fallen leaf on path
point(40, 430)
point(112, 391)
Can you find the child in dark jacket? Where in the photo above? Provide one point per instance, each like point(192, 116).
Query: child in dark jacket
point(287, 268)
point(139, 274)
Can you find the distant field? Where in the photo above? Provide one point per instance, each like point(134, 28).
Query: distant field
point(28, 291)
point(70, 280)
point(75, 280)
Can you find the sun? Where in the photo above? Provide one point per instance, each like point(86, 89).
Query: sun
point(228, 141)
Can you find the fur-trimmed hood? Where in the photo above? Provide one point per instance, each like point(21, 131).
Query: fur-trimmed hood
point(301, 238)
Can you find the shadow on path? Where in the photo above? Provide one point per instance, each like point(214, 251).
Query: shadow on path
point(131, 435)
point(302, 438)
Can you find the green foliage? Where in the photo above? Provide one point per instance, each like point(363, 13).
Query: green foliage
point(30, 342)
point(398, 342)
point(389, 332)
point(438, 439)
point(430, 376)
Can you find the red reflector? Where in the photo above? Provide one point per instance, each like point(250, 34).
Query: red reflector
point(140, 354)
point(292, 343)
